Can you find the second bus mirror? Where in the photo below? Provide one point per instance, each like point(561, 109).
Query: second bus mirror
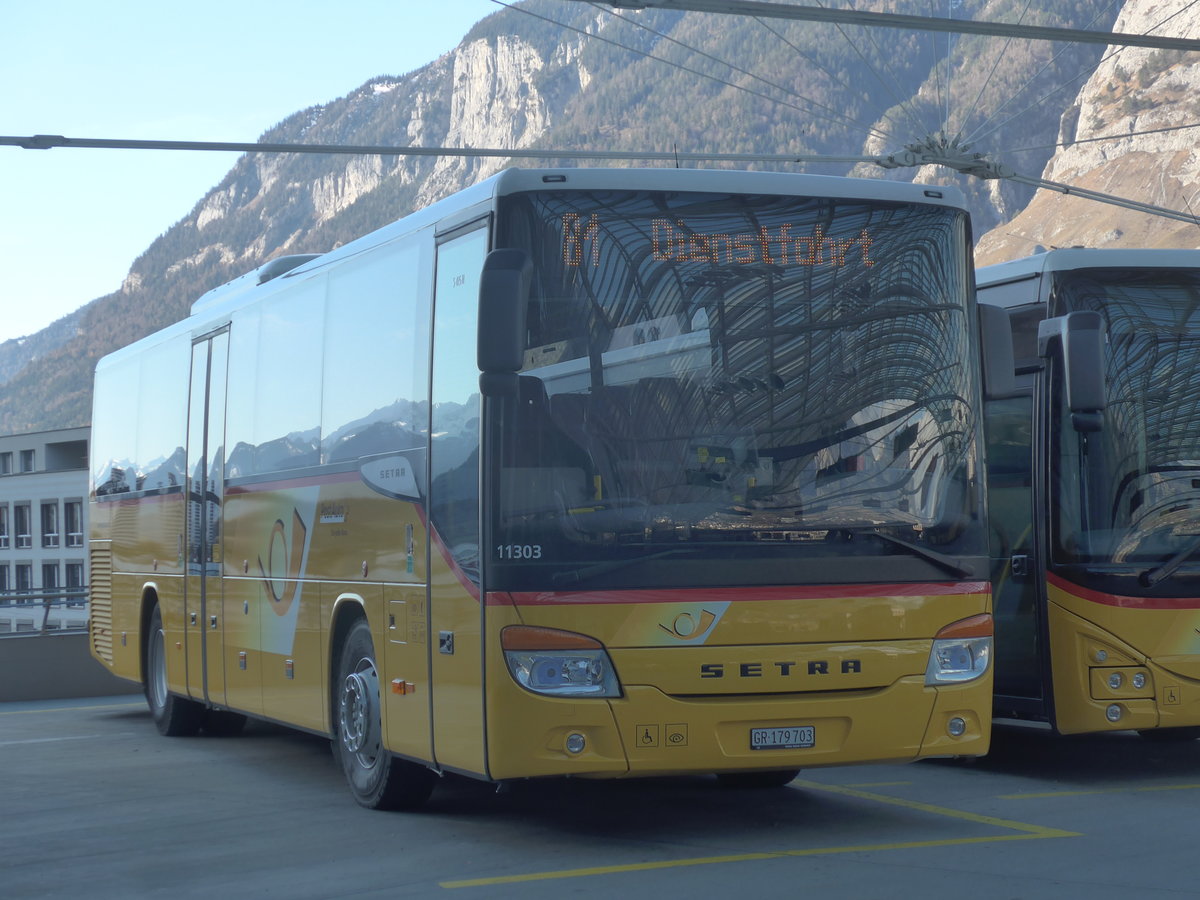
point(1080, 336)
point(503, 298)
point(996, 342)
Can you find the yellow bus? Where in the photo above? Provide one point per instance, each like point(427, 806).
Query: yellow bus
point(574, 473)
point(1094, 491)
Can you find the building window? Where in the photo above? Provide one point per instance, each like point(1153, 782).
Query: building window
point(3, 526)
point(23, 525)
point(24, 580)
point(73, 519)
point(26, 460)
point(50, 577)
point(74, 584)
point(50, 524)
point(4, 581)
point(6, 462)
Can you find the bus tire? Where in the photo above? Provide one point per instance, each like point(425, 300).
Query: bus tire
point(174, 716)
point(773, 778)
point(377, 779)
point(1171, 735)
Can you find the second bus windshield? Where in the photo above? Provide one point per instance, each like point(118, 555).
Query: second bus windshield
point(739, 378)
point(1142, 469)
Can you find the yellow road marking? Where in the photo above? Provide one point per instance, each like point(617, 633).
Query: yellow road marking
point(1128, 790)
point(1033, 830)
point(1025, 832)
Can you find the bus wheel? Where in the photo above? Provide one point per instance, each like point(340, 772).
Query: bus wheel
point(377, 779)
point(174, 716)
point(767, 779)
point(1170, 735)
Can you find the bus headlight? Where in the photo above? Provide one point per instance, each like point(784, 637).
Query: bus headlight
point(962, 651)
point(558, 663)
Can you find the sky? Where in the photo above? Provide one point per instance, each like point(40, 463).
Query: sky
point(72, 220)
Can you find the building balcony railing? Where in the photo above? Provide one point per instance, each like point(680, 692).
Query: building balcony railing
point(49, 540)
point(3, 541)
point(24, 541)
point(43, 610)
point(75, 539)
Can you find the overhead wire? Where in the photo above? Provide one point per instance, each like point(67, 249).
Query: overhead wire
point(862, 58)
point(1083, 73)
point(1104, 137)
point(842, 121)
point(833, 76)
point(729, 65)
point(966, 117)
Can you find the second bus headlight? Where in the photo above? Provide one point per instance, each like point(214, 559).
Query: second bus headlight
point(558, 663)
point(962, 651)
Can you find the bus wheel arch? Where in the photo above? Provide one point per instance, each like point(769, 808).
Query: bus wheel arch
point(347, 611)
point(377, 779)
point(174, 716)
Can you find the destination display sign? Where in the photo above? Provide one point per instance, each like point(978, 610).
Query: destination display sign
point(673, 240)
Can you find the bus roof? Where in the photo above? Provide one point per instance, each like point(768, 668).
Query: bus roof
point(514, 181)
point(1085, 258)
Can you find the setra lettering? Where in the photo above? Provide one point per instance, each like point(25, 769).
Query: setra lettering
point(783, 668)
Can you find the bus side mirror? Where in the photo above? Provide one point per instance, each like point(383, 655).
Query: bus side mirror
point(1080, 338)
point(996, 344)
point(503, 297)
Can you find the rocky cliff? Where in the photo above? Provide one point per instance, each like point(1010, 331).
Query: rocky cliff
point(1132, 132)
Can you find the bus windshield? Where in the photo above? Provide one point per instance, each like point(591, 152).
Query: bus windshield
point(736, 387)
point(1130, 493)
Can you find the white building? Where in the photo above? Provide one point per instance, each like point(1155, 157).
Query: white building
point(43, 529)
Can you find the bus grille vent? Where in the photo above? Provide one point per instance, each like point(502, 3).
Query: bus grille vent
point(100, 603)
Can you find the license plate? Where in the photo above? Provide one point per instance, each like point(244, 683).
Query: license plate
point(793, 737)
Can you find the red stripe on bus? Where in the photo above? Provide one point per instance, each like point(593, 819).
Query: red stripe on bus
point(738, 594)
point(1105, 599)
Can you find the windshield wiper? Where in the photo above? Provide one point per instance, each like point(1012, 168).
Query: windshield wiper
point(1168, 567)
point(575, 576)
point(941, 560)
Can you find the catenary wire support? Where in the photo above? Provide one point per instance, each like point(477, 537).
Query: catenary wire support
point(938, 150)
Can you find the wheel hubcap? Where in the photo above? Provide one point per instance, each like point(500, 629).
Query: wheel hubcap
point(158, 671)
point(358, 716)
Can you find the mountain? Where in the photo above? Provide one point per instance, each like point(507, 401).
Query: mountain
point(573, 76)
point(1130, 132)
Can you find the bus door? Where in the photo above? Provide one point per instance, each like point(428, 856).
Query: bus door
point(203, 618)
point(1018, 588)
point(456, 606)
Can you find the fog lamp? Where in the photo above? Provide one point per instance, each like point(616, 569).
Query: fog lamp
point(957, 726)
point(1139, 680)
point(575, 742)
point(1113, 713)
point(1115, 680)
